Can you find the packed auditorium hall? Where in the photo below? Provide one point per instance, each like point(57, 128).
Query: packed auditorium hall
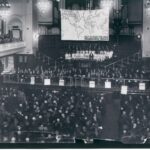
point(74, 70)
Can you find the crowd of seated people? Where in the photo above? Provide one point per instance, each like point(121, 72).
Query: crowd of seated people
point(98, 51)
point(135, 116)
point(48, 115)
point(40, 115)
point(89, 55)
point(130, 72)
point(95, 46)
point(5, 39)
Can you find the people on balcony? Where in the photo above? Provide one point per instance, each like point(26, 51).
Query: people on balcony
point(7, 38)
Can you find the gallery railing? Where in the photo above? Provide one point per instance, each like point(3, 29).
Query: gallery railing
point(84, 82)
point(10, 48)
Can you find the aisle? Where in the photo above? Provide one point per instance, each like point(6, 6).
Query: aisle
point(111, 126)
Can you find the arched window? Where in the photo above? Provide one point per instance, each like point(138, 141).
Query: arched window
point(15, 28)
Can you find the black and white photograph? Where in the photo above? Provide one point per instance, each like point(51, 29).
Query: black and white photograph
point(75, 71)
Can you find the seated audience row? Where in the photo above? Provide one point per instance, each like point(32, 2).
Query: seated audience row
point(130, 72)
point(44, 112)
point(135, 116)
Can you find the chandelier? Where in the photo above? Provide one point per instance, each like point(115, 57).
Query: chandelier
point(4, 8)
point(44, 5)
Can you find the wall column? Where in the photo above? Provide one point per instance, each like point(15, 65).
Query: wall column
point(146, 30)
point(62, 4)
point(35, 27)
point(8, 63)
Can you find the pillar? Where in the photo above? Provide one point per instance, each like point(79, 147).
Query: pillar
point(146, 30)
point(35, 27)
point(62, 4)
point(8, 63)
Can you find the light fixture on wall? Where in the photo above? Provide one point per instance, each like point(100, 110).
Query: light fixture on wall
point(4, 8)
point(35, 36)
point(139, 36)
point(44, 5)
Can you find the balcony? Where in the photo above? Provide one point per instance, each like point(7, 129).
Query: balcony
point(11, 48)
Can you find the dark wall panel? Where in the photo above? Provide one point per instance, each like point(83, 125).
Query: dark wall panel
point(135, 11)
point(50, 45)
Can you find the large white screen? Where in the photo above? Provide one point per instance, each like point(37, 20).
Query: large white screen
point(89, 25)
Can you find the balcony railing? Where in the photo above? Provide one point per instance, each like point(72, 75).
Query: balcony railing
point(11, 48)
